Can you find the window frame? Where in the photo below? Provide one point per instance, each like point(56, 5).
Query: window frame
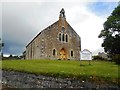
point(66, 38)
point(63, 37)
point(59, 36)
point(71, 53)
point(54, 52)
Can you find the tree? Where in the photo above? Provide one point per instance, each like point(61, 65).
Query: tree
point(1, 44)
point(111, 35)
point(11, 55)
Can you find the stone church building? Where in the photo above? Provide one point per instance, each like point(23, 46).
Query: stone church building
point(57, 41)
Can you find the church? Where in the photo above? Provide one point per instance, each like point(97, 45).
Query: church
point(58, 41)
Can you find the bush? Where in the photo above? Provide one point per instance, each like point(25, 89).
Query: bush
point(98, 58)
point(116, 58)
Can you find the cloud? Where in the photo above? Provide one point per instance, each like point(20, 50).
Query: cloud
point(88, 25)
point(59, 0)
point(13, 48)
point(0, 22)
point(21, 22)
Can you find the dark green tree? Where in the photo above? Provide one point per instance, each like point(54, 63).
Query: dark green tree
point(1, 44)
point(111, 35)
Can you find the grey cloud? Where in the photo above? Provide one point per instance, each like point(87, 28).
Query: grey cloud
point(21, 22)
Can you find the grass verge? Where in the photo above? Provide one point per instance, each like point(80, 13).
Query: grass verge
point(98, 71)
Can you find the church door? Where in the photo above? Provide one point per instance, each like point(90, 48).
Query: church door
point(63, 54)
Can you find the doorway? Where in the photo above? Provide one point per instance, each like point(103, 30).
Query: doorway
point(63, 54)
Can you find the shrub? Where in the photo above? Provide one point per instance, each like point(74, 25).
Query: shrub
point(98, 58)
point(116, 58)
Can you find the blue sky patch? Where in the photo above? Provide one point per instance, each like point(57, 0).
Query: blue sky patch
point(102, 8)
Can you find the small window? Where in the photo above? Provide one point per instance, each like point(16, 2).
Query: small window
point(66, 38)
point(54, 51)
point(63, 29)
point(60, 37)
point(71, 53)
point(63, 39)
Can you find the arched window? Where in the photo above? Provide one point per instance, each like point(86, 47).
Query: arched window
point(60, 37)
point(71, 53)
point(63, 37)
point(66, 38)
point(54, 51)
point(63, 29)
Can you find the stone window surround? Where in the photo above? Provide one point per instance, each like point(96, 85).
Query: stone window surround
point(71, 53)
point(61, 39)
point(55, 52)
point(66, 39)
point(59, 36)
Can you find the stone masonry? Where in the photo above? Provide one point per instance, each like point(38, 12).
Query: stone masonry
point(22, 80)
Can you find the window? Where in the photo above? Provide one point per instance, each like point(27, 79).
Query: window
point(60, 37)
point(63, 37)
point(71, 53)
point(54, 51)
point(66, 38)
point(63, 29)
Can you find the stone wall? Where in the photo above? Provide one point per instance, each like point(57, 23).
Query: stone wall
point(24, 80)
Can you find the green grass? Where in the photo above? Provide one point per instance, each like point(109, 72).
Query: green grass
point(97, 71)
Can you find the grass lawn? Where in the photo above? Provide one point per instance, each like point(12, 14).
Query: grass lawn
point(97, 71)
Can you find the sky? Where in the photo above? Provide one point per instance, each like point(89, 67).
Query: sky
point(21, 21)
